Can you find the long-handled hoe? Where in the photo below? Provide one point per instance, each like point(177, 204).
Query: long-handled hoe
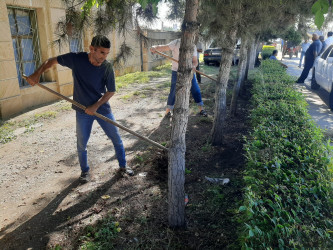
point(99, 115)
point(172, 59)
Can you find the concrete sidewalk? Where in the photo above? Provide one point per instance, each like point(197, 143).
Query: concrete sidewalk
point(317, 99)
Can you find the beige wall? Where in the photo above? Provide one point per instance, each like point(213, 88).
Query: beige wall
point(15, 99)
point(156, 38)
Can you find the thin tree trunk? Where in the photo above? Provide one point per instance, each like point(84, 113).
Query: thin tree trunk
point(254, 50)
point(243, 80)
point(248, 57)
point(221, 89)
point(241, 71)
point(177, 149)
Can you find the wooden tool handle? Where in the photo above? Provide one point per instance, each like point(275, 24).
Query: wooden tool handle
point(173, 59)
point(99, 115)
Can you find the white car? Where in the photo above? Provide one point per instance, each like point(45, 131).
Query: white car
point(322, 73)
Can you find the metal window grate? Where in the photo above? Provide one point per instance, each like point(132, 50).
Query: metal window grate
point(24, 31)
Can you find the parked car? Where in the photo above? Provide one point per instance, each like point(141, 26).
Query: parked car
point(214, 56)
point(322, 73)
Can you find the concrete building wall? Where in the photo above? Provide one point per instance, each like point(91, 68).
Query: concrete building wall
point(156, 38)
point(15, 99)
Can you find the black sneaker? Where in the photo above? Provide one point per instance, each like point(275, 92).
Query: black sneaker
point(84, 178)
point(203, 113)
point(126, 170)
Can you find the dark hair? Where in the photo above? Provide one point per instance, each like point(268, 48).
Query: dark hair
point(274, 52)
point(101, 41)
point(330, 33)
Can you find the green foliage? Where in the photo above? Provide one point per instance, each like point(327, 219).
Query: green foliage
point(138, 77)
point(6, 132)
point(57, 247)
point(101, 236)
point(188, 171)
point(288, 176)
point(7, 128)
point(266, 53)
point(293, 37)
point(319, 9)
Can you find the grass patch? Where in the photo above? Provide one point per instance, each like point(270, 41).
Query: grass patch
point(7, 128)
point(101, 236)
point(142, 77)
point(6, 132)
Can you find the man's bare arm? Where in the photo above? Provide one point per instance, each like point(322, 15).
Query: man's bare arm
point(161, 48)
point(33, 79)
point(93, 108)
point(194, 62)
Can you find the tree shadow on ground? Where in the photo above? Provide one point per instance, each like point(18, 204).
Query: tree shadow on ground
point(34, 233)
point(140, 203)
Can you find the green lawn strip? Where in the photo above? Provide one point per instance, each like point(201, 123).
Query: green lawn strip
point(142, 77)
point(7, 128)
point(289, 193)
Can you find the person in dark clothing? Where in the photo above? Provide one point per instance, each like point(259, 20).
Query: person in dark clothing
point(94, 85)
point(310, 56)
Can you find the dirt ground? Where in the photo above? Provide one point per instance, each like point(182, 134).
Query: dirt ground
point(43, 206)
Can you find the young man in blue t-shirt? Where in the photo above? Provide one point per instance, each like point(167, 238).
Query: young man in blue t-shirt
point(94, 85)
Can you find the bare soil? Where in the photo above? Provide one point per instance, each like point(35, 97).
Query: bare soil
point(43, 206)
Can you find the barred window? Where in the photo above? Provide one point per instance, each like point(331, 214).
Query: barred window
point(23, 28)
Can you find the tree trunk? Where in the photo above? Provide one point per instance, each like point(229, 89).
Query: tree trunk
point(177, 149)
point(254, 49)
point(221, 88)
point(240, 75)
point(248, 55)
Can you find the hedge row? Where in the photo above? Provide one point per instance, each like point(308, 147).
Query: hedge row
point(289, 193)
point(266, 53)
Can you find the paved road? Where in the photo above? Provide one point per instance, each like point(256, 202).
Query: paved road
point(317, 99)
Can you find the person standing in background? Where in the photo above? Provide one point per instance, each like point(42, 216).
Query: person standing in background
point(310, 56)
point(174, 46)
point(329, 39)
point(199, 50)
point(305, 47)
point(322, 39)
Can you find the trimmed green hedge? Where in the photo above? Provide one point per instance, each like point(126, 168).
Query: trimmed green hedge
point(289, 193)
point(266, 53)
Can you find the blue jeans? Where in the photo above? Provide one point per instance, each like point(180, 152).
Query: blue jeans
point(307, 67)
point(301, 59)
point(195, 90)
point(84, 124)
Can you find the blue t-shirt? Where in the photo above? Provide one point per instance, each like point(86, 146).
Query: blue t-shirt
point(315, 46)
point(90, 82)
point(273, 57)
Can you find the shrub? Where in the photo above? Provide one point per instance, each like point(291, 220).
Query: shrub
point(266, 53)
point(289, 193)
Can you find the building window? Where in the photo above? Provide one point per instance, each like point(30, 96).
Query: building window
point(23, 27)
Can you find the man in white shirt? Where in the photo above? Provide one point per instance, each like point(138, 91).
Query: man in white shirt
point(174, 46)
point(305, 47)
point(329, 39)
